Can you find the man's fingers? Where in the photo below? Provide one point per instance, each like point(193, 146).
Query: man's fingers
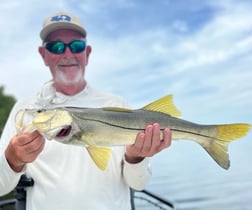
point(26, 138)
point(156, 136)
point(35, 145)
point(167, 137)
point(147, 143)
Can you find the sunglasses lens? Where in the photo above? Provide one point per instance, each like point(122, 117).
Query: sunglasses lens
point(56, 47)
point(77, 46)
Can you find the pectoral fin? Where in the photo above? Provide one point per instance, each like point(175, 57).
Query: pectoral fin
point(100, 155)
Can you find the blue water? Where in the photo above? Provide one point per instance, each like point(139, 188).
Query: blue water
point(186, 175)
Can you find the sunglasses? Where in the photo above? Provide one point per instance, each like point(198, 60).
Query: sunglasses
point(59, 47)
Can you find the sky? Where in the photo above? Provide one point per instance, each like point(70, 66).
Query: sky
point(199, 51)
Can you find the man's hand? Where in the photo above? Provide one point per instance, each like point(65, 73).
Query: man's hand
point(24, 148)
point(148, 143)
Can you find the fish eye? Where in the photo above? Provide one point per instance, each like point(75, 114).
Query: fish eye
point(41, 110)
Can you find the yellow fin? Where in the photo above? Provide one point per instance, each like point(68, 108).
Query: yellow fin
point(218, 147)
point(117, 109)
point(231, 132)
point(164, 105)
point(100, 155)
point(218, 150)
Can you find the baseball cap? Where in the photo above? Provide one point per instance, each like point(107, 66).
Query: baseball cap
point(61, 20)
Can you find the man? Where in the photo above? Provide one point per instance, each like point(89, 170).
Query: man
point(65, 176)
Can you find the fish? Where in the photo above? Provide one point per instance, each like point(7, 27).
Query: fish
point(97, 129)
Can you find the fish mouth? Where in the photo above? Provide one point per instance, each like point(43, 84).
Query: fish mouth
point(64, 132)
point(59, 134)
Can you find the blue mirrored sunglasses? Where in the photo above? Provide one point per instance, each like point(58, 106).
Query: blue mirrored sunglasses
point(59, 47)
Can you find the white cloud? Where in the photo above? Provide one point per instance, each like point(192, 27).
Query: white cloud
point(196, 66)
point(212, 66)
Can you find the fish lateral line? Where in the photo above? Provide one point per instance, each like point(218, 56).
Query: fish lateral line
point(194, 133)
point(142, 129)
point(114, 125)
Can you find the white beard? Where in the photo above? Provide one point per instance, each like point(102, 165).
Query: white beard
point(63, 78)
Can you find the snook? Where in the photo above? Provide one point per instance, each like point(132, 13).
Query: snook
point(96, 128)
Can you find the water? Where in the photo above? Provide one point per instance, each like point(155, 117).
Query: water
point(186, 175)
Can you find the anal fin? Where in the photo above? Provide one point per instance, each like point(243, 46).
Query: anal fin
point(100, 156)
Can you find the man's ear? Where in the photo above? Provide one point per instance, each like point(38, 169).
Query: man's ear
point(42, 53)
point(88, 52)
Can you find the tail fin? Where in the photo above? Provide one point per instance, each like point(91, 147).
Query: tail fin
point(218, 147)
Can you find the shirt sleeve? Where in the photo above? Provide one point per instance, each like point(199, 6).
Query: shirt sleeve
point(137, 175)
point(8, 177)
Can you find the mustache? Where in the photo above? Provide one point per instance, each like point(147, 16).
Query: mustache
point(68, 61)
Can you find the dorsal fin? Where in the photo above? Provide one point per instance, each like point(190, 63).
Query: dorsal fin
point(164, 105)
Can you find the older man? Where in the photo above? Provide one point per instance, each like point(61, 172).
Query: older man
point(65, 176)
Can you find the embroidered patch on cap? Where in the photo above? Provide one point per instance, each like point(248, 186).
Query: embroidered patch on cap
point(58, 18)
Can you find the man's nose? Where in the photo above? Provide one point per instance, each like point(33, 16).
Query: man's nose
point(68, 52)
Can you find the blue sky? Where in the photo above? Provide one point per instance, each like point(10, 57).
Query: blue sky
point(200, 51)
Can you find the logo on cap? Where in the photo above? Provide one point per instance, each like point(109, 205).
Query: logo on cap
point(59, 18)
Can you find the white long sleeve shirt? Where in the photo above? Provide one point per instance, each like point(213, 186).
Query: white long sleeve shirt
point(65, 176)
